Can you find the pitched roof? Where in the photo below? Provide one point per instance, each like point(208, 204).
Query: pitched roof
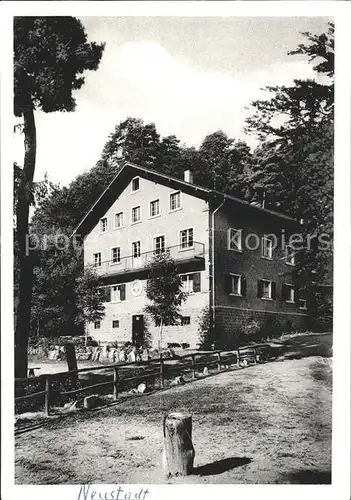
point(129, 170)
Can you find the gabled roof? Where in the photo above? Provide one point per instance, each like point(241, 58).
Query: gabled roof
point(130, 170)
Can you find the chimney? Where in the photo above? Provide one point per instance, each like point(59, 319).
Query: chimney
point(188, 176)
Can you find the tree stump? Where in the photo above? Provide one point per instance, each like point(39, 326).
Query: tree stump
point(178, 452)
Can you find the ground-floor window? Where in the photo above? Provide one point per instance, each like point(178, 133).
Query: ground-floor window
point(266, 289)
point(288, 292)
point(115, 323)
point(191, 282)
point(97, 325)
point(302, 304)
point(185, 320)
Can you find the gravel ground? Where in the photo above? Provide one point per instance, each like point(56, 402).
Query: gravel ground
point(268, 423)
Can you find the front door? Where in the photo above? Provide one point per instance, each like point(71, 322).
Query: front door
point(138, 330)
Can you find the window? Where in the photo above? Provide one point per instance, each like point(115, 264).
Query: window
point(289, 255)
point(186, 238)
point(135, 214)
point(237, 285)
point(97, 259)
point(174, 201)
point(115, 323)
point(191, 282)
point(105, 293)
point(302, 303)
point(185, 320)
point(103, 225)
point(135, 184)
point(266, 289)
point(136, 249)
point(159, 244)
point(288, 293)
point(119, 220)
point(97, 325)
point(154, 208)
point(234, 239)
point(115, 255)
point(267, 248)
point(118, 293)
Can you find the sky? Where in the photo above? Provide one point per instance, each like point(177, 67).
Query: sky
point(190, 76)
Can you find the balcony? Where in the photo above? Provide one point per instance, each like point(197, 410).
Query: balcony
point(193, 256)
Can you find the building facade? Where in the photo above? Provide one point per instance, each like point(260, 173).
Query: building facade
point(228, 252)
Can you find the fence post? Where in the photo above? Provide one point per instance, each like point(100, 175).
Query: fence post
point(219, 361)
point(255, 354)
point(115, 383)
point(47, 396)
point(161, 370)
point(238, 358)
point(193, 365)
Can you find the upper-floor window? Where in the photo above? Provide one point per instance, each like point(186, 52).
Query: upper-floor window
point(103, 225)
point(97, 259)
point(267, 248)
point(136, 214)
point(302, 304)
point(136, 249)
point(154, 208)
point(234, 239)
point(115, 255)
point(159, 244)
point(185, 320)
point(266, 289)
point(289, 255)
point(115, 323)
point(191, 282)
point(119, 220)
point(174, 201)
point(237, 285)
point(118, 293)
point(187, 238)
point(135, 184)
point(288, 293)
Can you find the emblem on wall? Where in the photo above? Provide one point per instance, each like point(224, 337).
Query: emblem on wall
point(136, 287)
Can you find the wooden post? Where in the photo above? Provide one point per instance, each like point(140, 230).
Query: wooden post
point(161, 370)
point(193, 365)
point(71, 356)
point(178, 452)
point(238, 358)
point(219, 361)
point(115, 383)
point(255, 354)
point(47, 396)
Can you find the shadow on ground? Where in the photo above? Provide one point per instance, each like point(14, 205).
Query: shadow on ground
point(308, 477)
point(221, 466)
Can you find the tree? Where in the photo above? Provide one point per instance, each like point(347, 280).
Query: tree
point(50, 56)
point(65, 294)
point(294, 162)
point(164, 291)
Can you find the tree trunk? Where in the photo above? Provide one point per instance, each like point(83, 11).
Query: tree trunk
point(25, 274)
point(178, 453)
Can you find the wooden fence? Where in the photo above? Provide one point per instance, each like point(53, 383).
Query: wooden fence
point(163, 368)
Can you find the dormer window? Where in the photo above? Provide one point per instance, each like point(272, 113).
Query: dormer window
point(103, 225)
point(135, 184)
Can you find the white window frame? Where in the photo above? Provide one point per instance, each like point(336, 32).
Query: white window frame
point(232, 275)
point(101, 224)
point(229, 239)
point(180, 201)
point(111, 259)
point(292, 253)
point(270, 248)
point(131, 185)
point(292, 288)
point(189, 279)
point(131, 215)
point(304, 308)
point(122, 225)
point(182, 249)
point(94, 260)
point(112, 294)
point(159, 208)
point(270, 290)
point(154, 243)
point(133, 243)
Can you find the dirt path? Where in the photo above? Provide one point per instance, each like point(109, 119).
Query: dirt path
point(268, 423)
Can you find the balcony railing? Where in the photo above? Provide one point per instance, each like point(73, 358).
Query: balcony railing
point(130, 263)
